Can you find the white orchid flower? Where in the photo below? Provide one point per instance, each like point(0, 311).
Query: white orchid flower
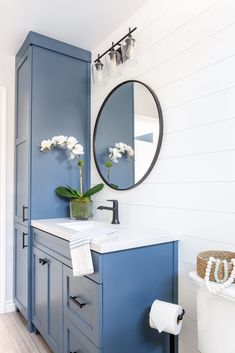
point(114, 154)
point(120, 146)
point(71, 142)
point(61, 140)
point(78, 149)
point(129, 151)
point(54, 140)
point(45, 145)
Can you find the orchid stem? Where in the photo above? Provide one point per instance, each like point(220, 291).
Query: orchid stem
point(108, 173)
point(81, 179)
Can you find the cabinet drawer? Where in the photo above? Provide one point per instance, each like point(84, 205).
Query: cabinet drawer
point(59, 248)
point(83, 304)
point(75, 341)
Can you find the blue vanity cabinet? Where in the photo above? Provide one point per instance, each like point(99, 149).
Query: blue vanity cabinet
point(108, 311)
point(47, 298)
point(52, 98)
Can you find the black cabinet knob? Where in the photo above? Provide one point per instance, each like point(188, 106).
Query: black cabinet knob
point(43, 261)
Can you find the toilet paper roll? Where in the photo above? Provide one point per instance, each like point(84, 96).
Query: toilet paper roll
point(163, 317)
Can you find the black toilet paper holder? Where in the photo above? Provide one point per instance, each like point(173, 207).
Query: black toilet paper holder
point(180, 317)
point(174, 339)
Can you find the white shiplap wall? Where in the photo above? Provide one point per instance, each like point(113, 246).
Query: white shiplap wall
point(186, 53)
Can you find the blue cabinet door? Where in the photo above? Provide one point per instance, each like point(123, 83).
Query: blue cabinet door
point(23, 116)
point(47, 298)
point(21, 268)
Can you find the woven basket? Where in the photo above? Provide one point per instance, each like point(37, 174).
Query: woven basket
point(204, 256)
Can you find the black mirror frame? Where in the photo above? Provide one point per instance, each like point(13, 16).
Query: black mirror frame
point(160, 116)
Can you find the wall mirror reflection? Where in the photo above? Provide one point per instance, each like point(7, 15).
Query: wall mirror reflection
point(128, 135)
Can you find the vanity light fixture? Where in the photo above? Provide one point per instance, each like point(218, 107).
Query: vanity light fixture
point(97, 71)
point(118, 53)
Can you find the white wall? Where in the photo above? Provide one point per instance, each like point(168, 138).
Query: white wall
point(185, 52)
point(7, 78)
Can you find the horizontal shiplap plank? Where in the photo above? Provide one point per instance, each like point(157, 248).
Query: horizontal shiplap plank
point(214, 197)
point(190, 247)
point(198, 84)
point(203, 139)
point(187, 16)
point(209, 167)
point(209, 109)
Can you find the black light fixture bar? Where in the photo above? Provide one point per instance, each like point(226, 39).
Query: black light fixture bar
point(114, 45)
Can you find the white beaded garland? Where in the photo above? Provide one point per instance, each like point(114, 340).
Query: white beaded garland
point(221, 284)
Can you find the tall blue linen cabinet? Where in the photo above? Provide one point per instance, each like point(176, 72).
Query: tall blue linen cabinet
point(52, 98)
point(105, 312)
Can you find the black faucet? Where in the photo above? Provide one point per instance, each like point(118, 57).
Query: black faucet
point(115, 219)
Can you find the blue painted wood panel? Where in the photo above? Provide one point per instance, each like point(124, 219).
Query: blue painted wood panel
point(21, 273)
point(132, 281)
point(116, 124)
point(59, 99)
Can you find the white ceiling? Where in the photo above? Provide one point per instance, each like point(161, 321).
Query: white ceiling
point(84, 23)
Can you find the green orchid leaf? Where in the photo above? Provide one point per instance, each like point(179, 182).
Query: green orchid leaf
point(93, 190)
point(63, 191)
point(74, 191)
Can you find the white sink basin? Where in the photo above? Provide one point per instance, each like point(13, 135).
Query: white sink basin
point(95, 229)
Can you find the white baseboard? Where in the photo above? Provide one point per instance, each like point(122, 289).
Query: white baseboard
point(9, 306)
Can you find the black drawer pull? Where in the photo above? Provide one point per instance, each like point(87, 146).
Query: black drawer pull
point(74, 352)
point(23, 240)
point(43, 261)
point(23, 211)
point(74, 300)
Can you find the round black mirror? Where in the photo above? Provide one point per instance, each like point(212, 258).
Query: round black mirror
point(128, 135)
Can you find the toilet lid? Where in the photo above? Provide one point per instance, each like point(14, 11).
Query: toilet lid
point(228, 293)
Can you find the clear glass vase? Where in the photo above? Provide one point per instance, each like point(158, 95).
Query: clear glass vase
point(81, 209)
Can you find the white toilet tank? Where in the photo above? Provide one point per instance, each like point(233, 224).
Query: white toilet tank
point(215, 318)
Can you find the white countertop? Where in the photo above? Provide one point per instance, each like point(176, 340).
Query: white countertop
point(119, 237)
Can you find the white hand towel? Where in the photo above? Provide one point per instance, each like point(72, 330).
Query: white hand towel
point(81, 255)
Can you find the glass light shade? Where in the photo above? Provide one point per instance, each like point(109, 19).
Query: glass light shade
point(97, 72)
point(113, 60)
point(128, 52)
point(130, 43)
